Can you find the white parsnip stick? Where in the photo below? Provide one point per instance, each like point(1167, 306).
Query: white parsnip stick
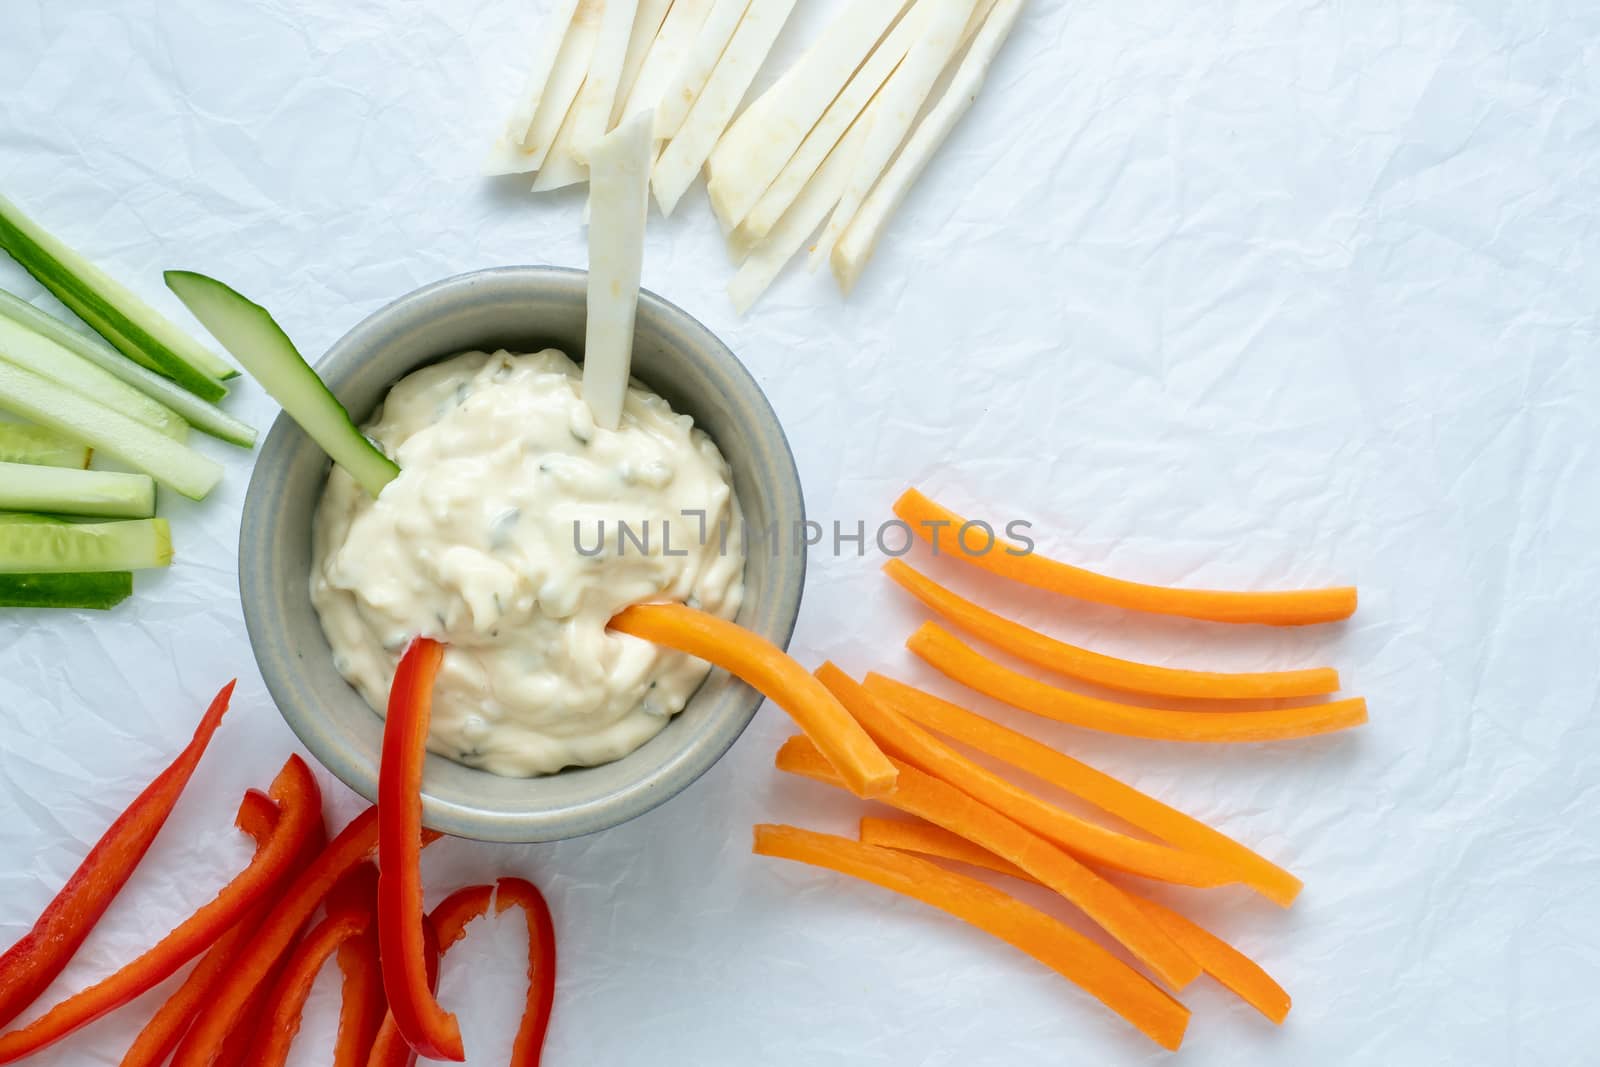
point(619, 201)
point(860, 238)
point(561, 167)
point(646, 25)
point(895, 110)
point(766, 260)
point(668, 53)
point(849, 104)
point(683, 89)
point(689, 148)
point(764, 138)
point(599, 90)
point(511, 153)
point(555, 102)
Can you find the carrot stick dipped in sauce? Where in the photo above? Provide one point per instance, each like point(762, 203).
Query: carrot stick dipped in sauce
point(859, 761)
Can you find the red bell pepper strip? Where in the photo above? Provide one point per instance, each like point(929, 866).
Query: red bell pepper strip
point(529, 1045)
point(294, 905)
point(154, 1045)
point(427, 1027)
point(350, 918)
point(453, 914)
point(361, 1003)
point(449, 919)
point(389, 1049)
point(362, 1007)
point(258, 816)
point(300, 809)
point(33, 962)
point(235, 1048)
point(356, 891)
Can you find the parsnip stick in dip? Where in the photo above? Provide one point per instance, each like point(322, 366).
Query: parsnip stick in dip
point(474, 544)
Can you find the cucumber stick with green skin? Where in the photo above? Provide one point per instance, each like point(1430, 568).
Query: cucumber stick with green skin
point(106, 493)
point(42, 401)
point(21, 443)
point(47, 359)
point(205, 417)
point(247, 331)
point(8, 518)
point(77, 590)
point(68, 548)
point(136, 329)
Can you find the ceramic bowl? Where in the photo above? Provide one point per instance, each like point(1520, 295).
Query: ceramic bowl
point(523, 309)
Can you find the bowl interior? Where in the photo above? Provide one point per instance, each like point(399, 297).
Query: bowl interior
point(522, 309)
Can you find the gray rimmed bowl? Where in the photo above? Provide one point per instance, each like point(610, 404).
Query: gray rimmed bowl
point(523, 309)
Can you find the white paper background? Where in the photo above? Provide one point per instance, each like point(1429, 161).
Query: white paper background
point(1226, 293)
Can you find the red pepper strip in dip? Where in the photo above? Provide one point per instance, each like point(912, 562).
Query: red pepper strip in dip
point(300, 809)
point(294, 905)
point(258, 815)
point(33, 962)
point(349, 918)
point(389, 1049)
point(427, 1027)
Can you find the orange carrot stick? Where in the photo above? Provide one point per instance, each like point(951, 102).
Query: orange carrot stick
point(1230, 967)
point(765, 667)
point(924, 838)
point(1034, 647)
point(1292, 608)
point(947, 654)
point(1084, 839)
point(938, 802)
point(1051, 942)
point(1095, 786)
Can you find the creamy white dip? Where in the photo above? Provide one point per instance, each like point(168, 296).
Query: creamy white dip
point(474, 544)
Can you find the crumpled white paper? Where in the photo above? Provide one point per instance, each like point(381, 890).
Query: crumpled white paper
point(1230, 294)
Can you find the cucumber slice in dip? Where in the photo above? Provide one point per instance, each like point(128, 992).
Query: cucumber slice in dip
point(94, 591)
point(65, 548)
point(247, 331)
point(136, 329)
